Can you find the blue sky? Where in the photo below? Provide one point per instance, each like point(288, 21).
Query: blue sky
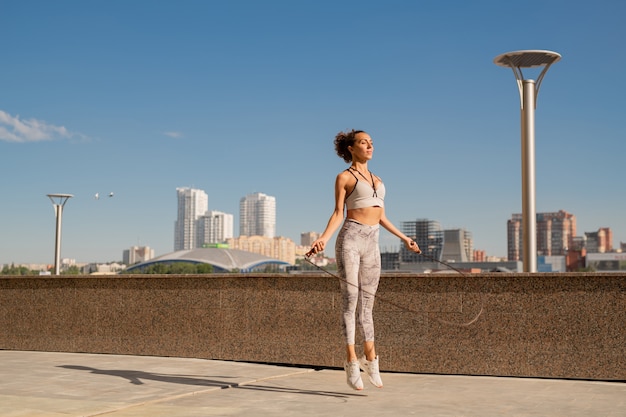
point(235, 97)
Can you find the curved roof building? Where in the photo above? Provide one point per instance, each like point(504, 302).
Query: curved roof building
point(222, 260)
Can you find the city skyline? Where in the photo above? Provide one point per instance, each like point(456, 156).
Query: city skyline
point(134, 99)
point(426, 227)
point(193, 202)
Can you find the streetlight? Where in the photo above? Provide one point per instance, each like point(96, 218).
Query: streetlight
point(528, 90)
point(58, 201)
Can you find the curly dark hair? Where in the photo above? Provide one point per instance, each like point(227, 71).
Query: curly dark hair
point(342, 141)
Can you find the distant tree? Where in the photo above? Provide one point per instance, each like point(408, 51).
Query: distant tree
point(204, 269)
point(182, 268)
point(72, 270)
point(17, 270)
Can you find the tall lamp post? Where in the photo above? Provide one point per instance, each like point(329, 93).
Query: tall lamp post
point(58, 201)
point(528, 90)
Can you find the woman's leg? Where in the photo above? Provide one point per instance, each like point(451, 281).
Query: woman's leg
point(350, 353)
point(347, 268)
point(348, 261)
point(369, 350)
point(369, 278)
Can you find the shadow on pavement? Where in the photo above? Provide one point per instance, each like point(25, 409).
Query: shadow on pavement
point(137, 378)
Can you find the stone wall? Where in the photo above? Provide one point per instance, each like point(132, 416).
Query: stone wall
point(535, 325)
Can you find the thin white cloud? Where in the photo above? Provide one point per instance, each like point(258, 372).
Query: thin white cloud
point(14, 129)
point(175, 135)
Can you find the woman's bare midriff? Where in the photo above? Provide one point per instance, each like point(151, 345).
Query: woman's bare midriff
point(366, 215)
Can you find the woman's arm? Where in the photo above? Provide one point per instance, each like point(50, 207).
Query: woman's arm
point(336, 218)
point(408, 242)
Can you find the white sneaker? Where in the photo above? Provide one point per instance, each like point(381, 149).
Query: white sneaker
point(353, 375)
point(371, 367)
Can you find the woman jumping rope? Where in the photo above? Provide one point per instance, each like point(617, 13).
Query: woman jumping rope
point(358, 254)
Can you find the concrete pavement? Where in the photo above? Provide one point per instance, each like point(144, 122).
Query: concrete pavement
point(46, 384)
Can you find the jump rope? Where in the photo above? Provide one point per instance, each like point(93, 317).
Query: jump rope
point(309, 254)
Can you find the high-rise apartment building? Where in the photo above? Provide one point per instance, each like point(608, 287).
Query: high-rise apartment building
point(214, 227)
point(137, 254)
point(307, 238)
point(257, 215)
point(458, 246)
point(428, 235)
point(555, 234)
point(600, 241)
point(192, 205)
point(479, 255)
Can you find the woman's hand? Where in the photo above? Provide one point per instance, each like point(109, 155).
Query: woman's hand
point(316, 247)
point(412, 245)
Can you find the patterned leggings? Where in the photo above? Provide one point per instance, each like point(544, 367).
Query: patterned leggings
point(358, 263)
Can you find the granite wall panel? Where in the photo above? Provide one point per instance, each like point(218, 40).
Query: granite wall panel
point(535, 325)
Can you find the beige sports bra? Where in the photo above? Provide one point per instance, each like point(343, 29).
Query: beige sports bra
point(364, 194)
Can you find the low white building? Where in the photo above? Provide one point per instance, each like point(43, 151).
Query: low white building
point(606, 262)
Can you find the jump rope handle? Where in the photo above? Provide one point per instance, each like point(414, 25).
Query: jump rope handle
point(412, 243)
